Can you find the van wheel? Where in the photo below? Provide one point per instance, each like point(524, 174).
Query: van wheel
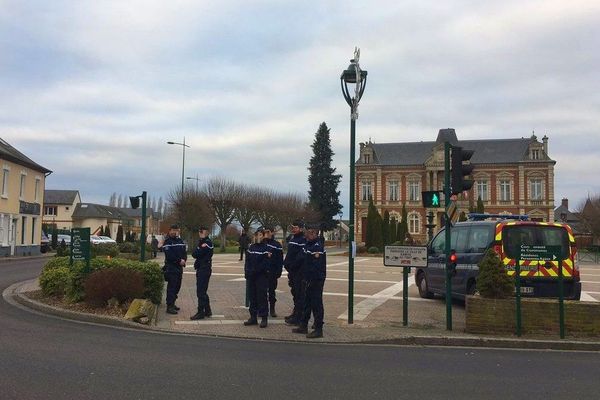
point(471, 288)
point(423, 287)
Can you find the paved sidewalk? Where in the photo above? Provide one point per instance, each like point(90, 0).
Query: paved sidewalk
point(377, 310)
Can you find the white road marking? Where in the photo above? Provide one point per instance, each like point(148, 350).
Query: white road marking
point(327, 279)
point(365, 307)
point(366, 296)
point(586, 297)
point(225, 322)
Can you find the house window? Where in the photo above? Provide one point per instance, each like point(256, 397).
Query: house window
point(33, 221)
point(37, 190)
point(393, 191)
point(414, 191)
point(366, 192)
point(23, 227)
point(504, 190)
point(367, 158)
point(536, 189)
point(5, 173)
point(535, 154)
point(482, 190)
point(414, 224)
point(22, 190)
point(50, 210)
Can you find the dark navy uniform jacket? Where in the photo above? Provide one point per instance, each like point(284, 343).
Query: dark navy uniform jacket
point(295, 254)
point(203, 254)
point(315, 261)
point(257, 260)
point(174, 249)
point(276, 260)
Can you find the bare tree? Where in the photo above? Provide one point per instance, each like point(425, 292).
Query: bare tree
point(190, 211)
point(266, 210)
point(120, 201)
point(113, 200)
point(223, 195)
point(160, 206)
point(289, 207)
point(247, 206)
point(589, 216)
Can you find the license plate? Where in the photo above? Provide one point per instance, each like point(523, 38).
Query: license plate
point(526, 290)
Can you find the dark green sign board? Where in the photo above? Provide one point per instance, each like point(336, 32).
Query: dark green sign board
point(80, 245)
point(539, 253)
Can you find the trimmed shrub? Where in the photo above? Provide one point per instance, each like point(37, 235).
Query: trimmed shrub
point(128, 247)
point(62, 250)
point(492, 281)
point(54, 281)
point(373, 250)
point(119, 283)
point(57, 262)
point(105, 249)
point(361, 249)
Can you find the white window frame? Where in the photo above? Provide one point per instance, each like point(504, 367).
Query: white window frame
point(22, 182)
point(366, 190)
point(393, 190)
point(46, 208)
point(483, 189)
point(505, 189)
point(535, 154)
point(38, 181)
point(537, 193)
point(414, 223)
point(5, 181)
point(414, 191)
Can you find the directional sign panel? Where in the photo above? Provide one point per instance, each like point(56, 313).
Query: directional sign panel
point(405, 256)
point(540, 253)
point(80, 244)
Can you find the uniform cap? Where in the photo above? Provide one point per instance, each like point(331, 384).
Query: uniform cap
point(299, 223)
point(260, 229)
point(315, 227)
point(202, 228)
point(174, 226)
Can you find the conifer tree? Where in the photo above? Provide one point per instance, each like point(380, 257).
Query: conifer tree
point(480, 207)
point(323, 194)
point(402, 226)
point(371, 211)
point(120, 234)
point(385, 228)
point(393, 230)
point(493, 281)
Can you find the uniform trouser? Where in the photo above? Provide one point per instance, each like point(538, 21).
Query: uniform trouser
point(313, 303)
point(173, 285)
point(272, 287)
point(258, 286)
point(298, 291)
point(202, 279)
point(242, 251)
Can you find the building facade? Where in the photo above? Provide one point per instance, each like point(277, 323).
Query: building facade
point(59, 206)
point(96, 216)
point(512, 176)
point(21, 202)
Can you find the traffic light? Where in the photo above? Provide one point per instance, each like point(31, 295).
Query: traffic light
point(135, 201)
point(431, 199)
point(460, 170)
point(452, 261)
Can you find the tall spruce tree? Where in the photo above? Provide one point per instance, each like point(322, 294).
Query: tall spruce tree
point(371, 216)
point(402, 226)
point(393, 230)
point(480, 207)
point(120, 234)
point(385, 228)
point(323, 195)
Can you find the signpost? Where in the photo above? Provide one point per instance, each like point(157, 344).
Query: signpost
point(542, 253)
point(405, 257)
point(80, 246)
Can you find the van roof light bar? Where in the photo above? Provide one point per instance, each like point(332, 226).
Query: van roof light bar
point(483, 217)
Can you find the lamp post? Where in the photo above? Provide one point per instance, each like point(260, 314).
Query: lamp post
point(195, 179)
point(352, 75)
point(183, 145)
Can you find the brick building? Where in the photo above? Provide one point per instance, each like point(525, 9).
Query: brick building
point(512, 176)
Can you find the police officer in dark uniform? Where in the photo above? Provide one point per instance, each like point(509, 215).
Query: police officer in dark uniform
point(175, 258)
point(294, 259)
point(256, 268)
point(275, 267)
point(203, 265)
point(314, 272)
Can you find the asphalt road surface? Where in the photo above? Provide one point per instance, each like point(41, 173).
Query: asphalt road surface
point(49, 358)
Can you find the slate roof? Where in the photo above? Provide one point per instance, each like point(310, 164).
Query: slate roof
point(66, 197)
point(487, 151)
point(9, 153)
point(90, 210)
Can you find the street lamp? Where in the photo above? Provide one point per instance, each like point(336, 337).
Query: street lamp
point(183, 145)
point(352, 75)
point(195, 179)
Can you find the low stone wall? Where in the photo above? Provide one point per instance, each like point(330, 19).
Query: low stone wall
point(538, 316)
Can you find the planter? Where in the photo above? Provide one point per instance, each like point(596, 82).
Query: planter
point(538, 316)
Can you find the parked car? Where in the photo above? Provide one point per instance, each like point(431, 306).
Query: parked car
point(471, 239)
point(60, 237)
point(44, 243)
point(95, 239)
point(107, 239)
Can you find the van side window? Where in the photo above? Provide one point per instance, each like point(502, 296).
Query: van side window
point(460, 236)
point(480, 238)
point(439, 243)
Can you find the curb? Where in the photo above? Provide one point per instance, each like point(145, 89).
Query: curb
point(426, 341)
point(4, 260)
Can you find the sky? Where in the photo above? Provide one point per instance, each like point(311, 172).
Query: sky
point(93, 90)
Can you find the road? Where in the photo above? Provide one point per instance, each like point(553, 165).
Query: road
point(48, 358)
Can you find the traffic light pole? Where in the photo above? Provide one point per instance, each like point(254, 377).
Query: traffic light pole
point(448, 225)
point(143, 233)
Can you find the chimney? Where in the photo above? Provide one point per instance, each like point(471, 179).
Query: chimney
point(545, 141)
point(565, 203)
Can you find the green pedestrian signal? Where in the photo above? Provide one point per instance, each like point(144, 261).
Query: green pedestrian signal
point(431, 199)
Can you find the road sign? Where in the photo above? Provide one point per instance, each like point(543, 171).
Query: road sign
point(540, 253)
point(405, 256)
point(80, 245)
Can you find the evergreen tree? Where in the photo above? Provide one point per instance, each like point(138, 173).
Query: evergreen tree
point(480, 208)
point(462, 216)
point(385, 228)
point(54, 237)
point(402, 226)
point(493, 282)
point(120, 234)
point(378, 231)
point(371, 211)
point(128, 236)
point(323, 195)
point(133, 237)
point(100, 231)
point(393, 230)
point(107, 231)
point(120, 201)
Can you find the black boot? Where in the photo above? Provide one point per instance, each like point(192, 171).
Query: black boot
point(317, 333)
point(251, 321)
point(301, 329)
point(263, 322)
point(207, 311)
point(171, 310)
point(198, 315)
point(175, 307)
point(272, 311)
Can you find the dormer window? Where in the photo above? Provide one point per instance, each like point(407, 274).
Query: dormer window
point(535, 154)
point(367, 158)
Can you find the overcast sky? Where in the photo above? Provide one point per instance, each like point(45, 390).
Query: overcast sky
point(93, 90)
